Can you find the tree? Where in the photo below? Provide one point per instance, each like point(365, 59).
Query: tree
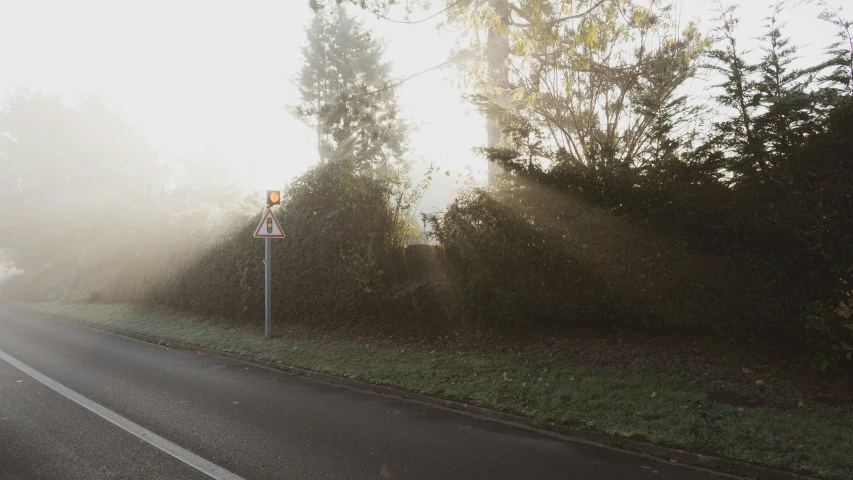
point(840, 62)
point(782, 92)
point(502, 21)
point(596, 82)
point(57, 160)
point(738, 92)
point(347, 93)
point(773, 106)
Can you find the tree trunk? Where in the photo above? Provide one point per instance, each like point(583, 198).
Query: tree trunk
point(497, 51)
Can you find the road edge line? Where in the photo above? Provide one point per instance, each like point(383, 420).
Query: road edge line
point(170, 448)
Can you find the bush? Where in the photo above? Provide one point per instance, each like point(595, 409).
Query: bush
point(527, 255)
point(340, 230)
point(667, 245)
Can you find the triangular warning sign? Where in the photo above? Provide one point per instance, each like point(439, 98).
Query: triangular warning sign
point(269, 227)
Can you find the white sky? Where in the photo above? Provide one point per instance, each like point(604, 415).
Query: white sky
point(208, 76)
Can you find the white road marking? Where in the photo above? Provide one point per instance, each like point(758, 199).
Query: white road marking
point(142, 433)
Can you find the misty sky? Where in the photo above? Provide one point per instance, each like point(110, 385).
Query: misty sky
point(213, 77)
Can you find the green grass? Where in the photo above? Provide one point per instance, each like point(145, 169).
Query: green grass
point(816, 440)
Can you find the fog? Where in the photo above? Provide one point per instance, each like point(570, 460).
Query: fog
point(134, 132)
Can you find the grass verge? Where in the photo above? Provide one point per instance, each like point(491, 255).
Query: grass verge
point(666, 406)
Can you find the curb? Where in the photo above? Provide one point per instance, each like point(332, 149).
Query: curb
point(716, 465)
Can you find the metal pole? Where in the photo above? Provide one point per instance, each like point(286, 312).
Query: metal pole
point(267, 282)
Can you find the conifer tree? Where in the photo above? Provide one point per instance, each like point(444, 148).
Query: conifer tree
point(347, 93)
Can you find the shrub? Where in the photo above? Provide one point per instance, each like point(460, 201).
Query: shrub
point(331, 266)
point(667, 245)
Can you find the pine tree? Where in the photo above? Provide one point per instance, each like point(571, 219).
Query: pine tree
point(347, 93)
point(739, 93)
point(840, 52)
point(788, 106)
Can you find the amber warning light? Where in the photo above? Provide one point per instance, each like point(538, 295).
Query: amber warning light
point(273, 197)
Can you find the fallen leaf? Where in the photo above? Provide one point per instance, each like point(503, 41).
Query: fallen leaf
point(539, 380)
point(760, 383)
point(673, 460)
point(801, 404)
point(653, 394)
point(684, 407)
point(739, 409)
point(547, 384)
point(798, 446)
point(745, 371)
point(618, 340)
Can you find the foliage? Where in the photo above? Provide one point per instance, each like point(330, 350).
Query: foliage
point(736, 92)
point(340, 230)
point(346, 93)
point(840, 62)
point(595, 78)
point(669, 245)
point(743, 236)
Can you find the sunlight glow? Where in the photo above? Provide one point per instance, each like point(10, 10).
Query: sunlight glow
point(215, 78)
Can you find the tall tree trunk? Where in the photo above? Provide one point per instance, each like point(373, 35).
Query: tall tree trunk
point(497, 51)
point(319, 134)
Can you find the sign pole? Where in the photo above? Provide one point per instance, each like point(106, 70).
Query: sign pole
point(268, 229)
point(267, 287)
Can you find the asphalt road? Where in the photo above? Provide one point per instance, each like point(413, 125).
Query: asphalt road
point(252, 422)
